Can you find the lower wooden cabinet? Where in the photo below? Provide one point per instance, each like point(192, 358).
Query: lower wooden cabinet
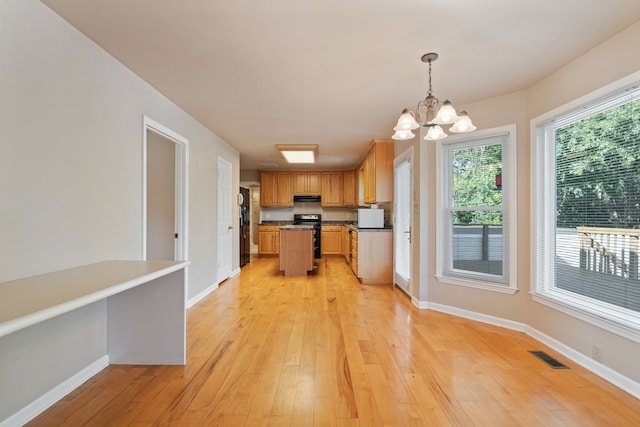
point(268, 239)
point(346, 243)
point(331, 243)
point(372, 256)
point(354, 252)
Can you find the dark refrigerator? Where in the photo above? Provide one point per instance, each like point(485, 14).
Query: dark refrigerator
point(245, 220)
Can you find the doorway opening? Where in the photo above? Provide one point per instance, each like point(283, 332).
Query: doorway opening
point(164, 193)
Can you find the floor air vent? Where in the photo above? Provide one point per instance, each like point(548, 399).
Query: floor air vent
point(548, 360)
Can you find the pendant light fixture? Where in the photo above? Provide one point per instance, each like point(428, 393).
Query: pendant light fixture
point(433, 114)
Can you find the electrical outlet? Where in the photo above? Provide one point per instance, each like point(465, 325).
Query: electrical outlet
point(596, 353)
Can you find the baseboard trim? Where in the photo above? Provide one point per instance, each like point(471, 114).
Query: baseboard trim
point(480, 317)
point(614, 377)
point(193, 301)
point(42, 403)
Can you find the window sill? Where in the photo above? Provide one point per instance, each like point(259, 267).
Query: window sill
point(478, 285)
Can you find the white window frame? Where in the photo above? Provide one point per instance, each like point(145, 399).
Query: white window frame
point(509, 227)
point(543, 192)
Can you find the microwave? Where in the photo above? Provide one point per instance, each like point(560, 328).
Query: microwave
point(371, 218)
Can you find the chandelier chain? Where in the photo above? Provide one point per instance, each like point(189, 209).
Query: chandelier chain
point(430, 92)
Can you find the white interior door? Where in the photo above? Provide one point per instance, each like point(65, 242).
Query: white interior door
point(225, 220)
point(403, 220)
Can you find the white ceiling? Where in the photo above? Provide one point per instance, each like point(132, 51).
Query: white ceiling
point(336, 73)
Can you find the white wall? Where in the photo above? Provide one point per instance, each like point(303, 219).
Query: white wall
point(71, 126)
point(71, 141)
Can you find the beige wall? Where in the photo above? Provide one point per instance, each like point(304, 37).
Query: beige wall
point(601, 66)
point(606, 63)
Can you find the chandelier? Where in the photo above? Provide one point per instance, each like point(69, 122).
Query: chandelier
point(433, 114)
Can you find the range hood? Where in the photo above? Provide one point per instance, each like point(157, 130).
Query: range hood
point(315, 199)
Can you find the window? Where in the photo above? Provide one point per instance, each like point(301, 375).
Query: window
point(587, 211)
point(476, 242)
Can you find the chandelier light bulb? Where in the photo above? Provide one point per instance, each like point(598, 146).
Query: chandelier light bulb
point(446, 114)
point(402, 135)
point(435, 133)
point(407, 121)
point(464, 124)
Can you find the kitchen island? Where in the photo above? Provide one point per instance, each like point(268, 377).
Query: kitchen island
point(296, 249)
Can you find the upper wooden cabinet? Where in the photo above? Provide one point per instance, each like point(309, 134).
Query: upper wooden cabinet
point(276, 189)
point(331, 189)
point(349, 188)
point(376, 172)
point(371, 182)
point(307, 183)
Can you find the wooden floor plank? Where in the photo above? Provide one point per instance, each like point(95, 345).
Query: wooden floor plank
point(324, 350)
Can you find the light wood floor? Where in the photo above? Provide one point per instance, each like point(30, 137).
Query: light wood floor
point(269, 350)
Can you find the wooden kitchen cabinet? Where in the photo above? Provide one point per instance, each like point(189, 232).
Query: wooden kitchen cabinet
point(276, 189)
point(349, 188)
point(372, 256)
point(377, 172)
point(331, 239)
point(296, 255)
point(331, 189)
point(354, 252)
point(268, 189)
point(307, 183)
point(268, 239)
point(346, 243)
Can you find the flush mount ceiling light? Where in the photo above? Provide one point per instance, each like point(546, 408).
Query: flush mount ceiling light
point(299, 153)
point(432, 113)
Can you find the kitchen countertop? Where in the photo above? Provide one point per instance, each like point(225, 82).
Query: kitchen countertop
point(367, 230)
point(297, 227)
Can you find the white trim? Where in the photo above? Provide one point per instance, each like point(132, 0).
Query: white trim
point(422, 305)
point(510, 176)
point(479, 317)
point(51, 397)
point(614, 377)
point(485, 286)
point(202, 295)
point(182, 190)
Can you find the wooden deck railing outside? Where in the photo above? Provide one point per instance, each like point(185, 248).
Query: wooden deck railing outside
point(609, 250)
